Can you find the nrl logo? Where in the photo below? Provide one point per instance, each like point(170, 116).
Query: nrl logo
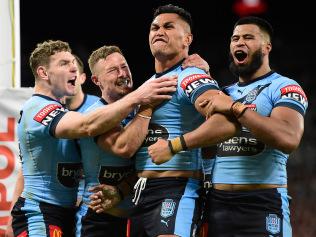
point(273, 224)
point(167, 208)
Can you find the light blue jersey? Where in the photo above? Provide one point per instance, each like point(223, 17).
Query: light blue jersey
point(51, 166)
point(87, 102)
point(176, 117)
point(243, 159)
point(100, 166)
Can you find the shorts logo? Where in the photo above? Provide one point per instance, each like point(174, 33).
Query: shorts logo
point(48, 113)
point(294, 92)
point(190, 83)
point(167, 208)
point(55, 231)
point(23, 234)
point(273, 224)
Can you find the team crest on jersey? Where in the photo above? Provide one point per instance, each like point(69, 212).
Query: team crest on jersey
point(190, 83)
point(294, 92)
point(48, 113)
point(55, 231)
point(167, 208)
point(252, 95)
point(273, 224)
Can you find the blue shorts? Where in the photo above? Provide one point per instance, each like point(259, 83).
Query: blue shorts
point(255, 213)
point(167, 206)
point(38, 219)
point(92, 224)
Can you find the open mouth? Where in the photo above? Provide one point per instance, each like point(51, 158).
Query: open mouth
point(123, 82)
point(72, 81)
point(240, 55)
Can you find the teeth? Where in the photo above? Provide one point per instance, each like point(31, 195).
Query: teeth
point(124, 82)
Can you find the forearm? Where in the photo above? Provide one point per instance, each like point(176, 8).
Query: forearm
point(274, 132)
point(132, 136)
point(101, 120)
point(214, 130)
point(109, 116)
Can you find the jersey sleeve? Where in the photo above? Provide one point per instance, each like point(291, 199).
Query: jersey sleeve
point(289, 93)
point(49, 115)
point(193, 82)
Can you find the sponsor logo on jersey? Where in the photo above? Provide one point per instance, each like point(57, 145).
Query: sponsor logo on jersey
point(167, 208)
point(244, 144)
point(294, 92)
point(155, 132)
point(112, 175)
point(190, 83)
point(55, 231)
point(273, 224)
point(48, 113)
point(253, 107)
point(69, 174)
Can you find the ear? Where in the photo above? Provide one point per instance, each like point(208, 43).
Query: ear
point(188, 39)
point(42, 72)
point(82, 78)
point(267, 48)
point(95, 80)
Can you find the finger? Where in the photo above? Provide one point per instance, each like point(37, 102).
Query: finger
point(96, 188)
point(165, 78)
point(170, 83)
point(161, 97)
point(204, 103)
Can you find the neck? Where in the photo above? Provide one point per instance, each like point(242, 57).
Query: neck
point(73, 102)
point(44, 90)
point(264, 69)
point(164, 63)
point(109, 99)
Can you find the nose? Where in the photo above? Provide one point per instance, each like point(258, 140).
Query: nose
point(240, 41)
point(121, 72)
point(73, 67)
point(160, 31)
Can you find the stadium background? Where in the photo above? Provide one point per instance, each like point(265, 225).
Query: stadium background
point(87, 25)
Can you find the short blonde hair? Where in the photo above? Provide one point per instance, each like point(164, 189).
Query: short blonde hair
point(42, 52)
point(102, 53)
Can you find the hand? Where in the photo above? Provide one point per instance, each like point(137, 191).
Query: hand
point(195, 60)
point(160, 152)
point(104, 197)
point(219, 103)
point(154, 91)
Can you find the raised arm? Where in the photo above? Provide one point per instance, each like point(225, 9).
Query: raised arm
point(126, 141)
point(76, 125)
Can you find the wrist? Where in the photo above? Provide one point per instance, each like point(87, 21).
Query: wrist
point(177, 145)
point(145, 111)
point(238, 109)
